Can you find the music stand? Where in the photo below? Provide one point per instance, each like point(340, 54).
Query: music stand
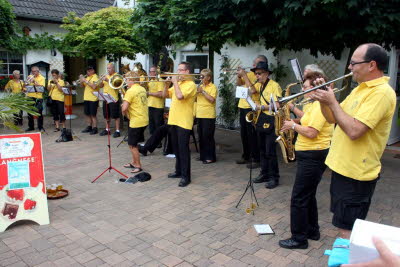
point(250, 183)
point(69, 91)
point(37, 89)
point(107, 99)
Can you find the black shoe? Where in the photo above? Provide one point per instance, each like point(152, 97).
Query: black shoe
point(293, 244)
point(42, 130)
point(259, 179)
point(94, 131)
point(271, 184)
point(184, 182)
point(253, 165)
point(29, 129)
point(116, 134)
point(87, 129)
point(316, 236)
point(103, 133)
point(56, 130)
point(174, 175)
point(142, 150)
point(242, 161)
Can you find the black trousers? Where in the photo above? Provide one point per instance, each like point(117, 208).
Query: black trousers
point(57, 109)
point(249, 137)
point(180, 143)
point(268, 157)
point(303, 205)
point(156, 118)
point(18, 118)
point(39, 106)
point(156, 138)
point(206, 130)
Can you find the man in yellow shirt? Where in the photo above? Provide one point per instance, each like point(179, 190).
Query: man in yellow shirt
point(205, 114)
point(111, 110)
point(363, 123)
point(57, 96)
point(266, 130)
point(182, 93)
point(156, 102)
point(135, 108)
point(247, 132)
point(38, 81)
point(90, 101)
point(15, 86)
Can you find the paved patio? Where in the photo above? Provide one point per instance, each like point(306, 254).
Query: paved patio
point(156, 223)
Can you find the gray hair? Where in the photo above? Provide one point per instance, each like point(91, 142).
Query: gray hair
point(15, 72)
point(262, 58)
point(112, 65)
point(35, 68)
point(314, 68)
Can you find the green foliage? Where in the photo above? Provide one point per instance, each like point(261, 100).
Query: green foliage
point(23, 43)
point(7, 22)
point(325, 26)
point(13, 103)
point(106, 32)
point(228, 108)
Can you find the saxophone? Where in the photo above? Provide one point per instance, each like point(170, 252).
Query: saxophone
point(285, 139)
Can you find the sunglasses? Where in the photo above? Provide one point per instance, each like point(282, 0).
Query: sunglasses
point(259, 73)
point(352, 63)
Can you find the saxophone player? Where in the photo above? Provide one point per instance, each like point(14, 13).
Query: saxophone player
point(312, 145)
point(265, 126)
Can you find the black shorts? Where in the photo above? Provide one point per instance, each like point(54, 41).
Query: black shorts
point(57, 109)
point(90, 108)
point(114, 110)
point(350, 200)
point(135, 135)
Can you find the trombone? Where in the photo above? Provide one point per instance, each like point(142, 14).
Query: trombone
point(309, 100)
point(284, 100)
point(225, 70)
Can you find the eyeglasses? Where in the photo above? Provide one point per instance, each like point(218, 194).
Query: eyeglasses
point(258, 73)
point(352, 63)
point(201, 77)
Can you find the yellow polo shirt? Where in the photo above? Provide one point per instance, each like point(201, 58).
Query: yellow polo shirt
point(56, 94)
point(372, 103)
point(14, 87)
point(138, 110)
point(41, 81)
point(205, 109)
point(88, 93)
point(155, 102)
point(181, 111)
point(256, 97)
point(271, 88)
point(314, 118)
point(108, 90)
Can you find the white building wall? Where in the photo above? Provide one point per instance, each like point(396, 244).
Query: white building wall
point(54, 58)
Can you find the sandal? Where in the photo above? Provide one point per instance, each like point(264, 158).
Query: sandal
point(129, 165)
point(136, 170)
point(56, 130)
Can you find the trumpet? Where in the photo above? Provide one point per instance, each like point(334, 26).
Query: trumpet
point(29, 79)
point(100, 80)
point(309, 100)
point(78, 82)
point(284, 100)
point(225, 70)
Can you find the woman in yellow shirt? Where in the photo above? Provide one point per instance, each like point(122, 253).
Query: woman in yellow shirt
point(312, 145)
point(57, 96)
point(16, 86)
point(205, 114)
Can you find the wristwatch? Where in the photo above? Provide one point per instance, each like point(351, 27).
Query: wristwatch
point(294, 125)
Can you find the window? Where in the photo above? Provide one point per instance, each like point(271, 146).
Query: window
point(9, 62)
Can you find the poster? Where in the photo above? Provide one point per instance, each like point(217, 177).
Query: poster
point(22, 183)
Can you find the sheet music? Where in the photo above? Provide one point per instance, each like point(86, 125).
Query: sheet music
point(251, 103)
point(242, 92)
point(105, 97)
point(31, 89)
point(296, 69)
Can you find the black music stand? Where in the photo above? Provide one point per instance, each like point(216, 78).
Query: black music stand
point(107, 99)
point(250, 185)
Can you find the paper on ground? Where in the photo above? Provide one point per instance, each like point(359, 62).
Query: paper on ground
point(263, 229)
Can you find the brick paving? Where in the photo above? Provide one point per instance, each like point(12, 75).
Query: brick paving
point(156, 223)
